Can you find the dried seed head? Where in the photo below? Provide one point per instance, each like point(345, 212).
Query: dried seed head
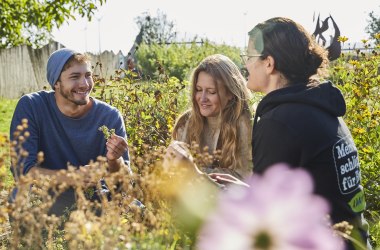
point(344, 227)
point(40, 157)
point(16, 134)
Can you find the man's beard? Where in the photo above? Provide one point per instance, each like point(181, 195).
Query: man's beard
point(77, 102)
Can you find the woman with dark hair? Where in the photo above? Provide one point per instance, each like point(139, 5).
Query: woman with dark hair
point(299, 122)
point(219, 118)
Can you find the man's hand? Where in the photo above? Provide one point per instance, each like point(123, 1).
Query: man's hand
point(116, 147)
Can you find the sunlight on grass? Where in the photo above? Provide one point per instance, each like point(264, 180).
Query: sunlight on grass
point(7, 106)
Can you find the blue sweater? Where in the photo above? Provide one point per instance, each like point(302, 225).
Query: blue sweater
point(64, 140)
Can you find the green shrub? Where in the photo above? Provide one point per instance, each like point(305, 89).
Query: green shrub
point(179, 60)
point(149, 108)
point(358, 76)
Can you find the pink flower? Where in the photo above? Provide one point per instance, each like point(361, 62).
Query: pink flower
point(278, 211)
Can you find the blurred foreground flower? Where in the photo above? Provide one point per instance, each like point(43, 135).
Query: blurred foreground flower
point(278, 211)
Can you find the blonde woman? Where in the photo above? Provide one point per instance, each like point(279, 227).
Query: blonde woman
point(219, 118)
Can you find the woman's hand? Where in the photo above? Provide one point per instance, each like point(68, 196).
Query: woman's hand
point(226, 179)
point(178, 150)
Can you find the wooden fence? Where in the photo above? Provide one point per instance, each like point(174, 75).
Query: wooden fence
point(23, 69)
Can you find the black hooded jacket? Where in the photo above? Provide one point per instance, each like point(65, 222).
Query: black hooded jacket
point(301, 126)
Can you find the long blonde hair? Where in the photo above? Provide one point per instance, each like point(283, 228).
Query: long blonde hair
point(225, 73)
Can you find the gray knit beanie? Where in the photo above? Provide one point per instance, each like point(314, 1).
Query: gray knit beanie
point(55, 64)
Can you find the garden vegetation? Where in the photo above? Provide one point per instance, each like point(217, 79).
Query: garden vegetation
point(173, 207)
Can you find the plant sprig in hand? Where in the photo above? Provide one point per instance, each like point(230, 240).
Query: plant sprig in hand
point(107, 132)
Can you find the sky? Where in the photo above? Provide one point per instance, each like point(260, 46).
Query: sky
point(113, 26)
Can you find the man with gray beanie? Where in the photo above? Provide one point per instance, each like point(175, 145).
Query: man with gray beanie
point(64, 125)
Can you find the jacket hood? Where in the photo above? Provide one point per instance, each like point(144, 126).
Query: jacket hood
point(323, 96)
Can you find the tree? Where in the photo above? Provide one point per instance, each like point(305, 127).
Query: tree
point(156, 29)
point(32, 21)
point(373, 26)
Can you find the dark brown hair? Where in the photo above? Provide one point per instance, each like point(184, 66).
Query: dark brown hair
point(297, 55)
